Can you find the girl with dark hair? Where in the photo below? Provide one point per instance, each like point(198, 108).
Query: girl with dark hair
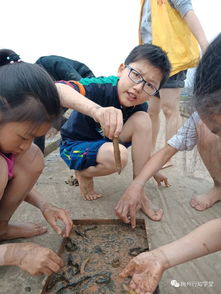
point(147, 268)
point(29, 105)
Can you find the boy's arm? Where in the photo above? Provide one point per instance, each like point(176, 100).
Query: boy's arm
point(130, 202)
point(154, 165)
point(185, 9)
point(30, 257)
point(147, 268)
point(203, 240)
point(196, 28)
point(110, 118)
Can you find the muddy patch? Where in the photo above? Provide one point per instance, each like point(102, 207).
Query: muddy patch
point(94, 255)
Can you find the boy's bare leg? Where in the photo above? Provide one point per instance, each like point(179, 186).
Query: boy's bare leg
point(170, 102)
point(27, 169)
point(105, 166)
point(209, 147)
point(138, 130)
point(154, 112)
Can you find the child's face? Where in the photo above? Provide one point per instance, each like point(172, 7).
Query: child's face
point(131, 93)
point(213, 124)
point(16, 137)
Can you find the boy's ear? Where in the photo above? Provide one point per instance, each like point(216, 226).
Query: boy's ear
point(120, 69)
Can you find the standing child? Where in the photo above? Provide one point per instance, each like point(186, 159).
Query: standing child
point(84, 147)
point(147, 268)
point(164, 23)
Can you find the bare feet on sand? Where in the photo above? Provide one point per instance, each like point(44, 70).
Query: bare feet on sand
point(87, 187)
point(148, 208)
point(22, 231)
point(204, 201)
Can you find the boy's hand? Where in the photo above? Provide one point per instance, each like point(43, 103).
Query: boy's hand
point(146, 270)
point(160, 178)
point(110, 119)
point(34, 259)
point(129, 204)
point(52, 214)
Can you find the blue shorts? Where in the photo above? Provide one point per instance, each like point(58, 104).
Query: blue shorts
point(79, 155)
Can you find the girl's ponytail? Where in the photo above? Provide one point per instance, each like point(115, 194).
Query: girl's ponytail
point(8, 56)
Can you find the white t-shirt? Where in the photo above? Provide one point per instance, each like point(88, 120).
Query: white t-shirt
point(186, 137)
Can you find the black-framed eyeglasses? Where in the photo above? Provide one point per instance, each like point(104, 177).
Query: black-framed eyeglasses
point(137, 78)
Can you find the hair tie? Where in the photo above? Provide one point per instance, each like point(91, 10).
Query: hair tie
point(12, 58)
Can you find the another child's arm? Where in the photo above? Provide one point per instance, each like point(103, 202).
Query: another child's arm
point(147, 268)
point(185, 139)
point(130, 202)
point(30, 257)
point(51, 213)
point(196, 28)
point(110, 118)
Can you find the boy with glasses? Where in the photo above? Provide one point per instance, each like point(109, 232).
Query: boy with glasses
point(85, 149)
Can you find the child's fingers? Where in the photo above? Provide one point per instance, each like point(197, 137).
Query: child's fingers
point(119, 124)
point(133, 217)
point(113, 123)
point(66, 219)
point(55, 227)
point(128, 270)
point(166, 183)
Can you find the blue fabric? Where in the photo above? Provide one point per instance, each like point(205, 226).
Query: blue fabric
point(62, 68)
point(79, 155)
point(81, 135)
point(103, 91)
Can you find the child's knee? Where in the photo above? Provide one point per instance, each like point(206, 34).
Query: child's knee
point(123, 155)
point(170, 108)
point(109, 161)
point(38, 161)
point(142, 122)
point(32, 162)
point(154, 111)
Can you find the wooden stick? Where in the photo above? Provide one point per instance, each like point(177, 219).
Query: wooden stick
point(117, 155)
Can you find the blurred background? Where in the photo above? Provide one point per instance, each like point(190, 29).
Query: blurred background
point(99, 33)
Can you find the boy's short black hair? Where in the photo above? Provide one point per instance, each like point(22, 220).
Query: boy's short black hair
point(152, 54)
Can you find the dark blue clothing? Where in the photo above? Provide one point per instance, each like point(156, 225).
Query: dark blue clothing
point(62, 68)
point(103, 91)
point(82, 137)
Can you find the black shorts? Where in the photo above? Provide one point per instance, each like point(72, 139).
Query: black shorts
point(175, 81)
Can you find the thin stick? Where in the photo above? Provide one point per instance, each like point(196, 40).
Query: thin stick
point(117, 155)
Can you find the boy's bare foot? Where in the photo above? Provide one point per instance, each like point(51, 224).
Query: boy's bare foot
point(204, 201)
point(87, 187)
point(23, 231)
point(149, 210)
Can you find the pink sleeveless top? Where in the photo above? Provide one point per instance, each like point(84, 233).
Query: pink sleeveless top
point(10, 161)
